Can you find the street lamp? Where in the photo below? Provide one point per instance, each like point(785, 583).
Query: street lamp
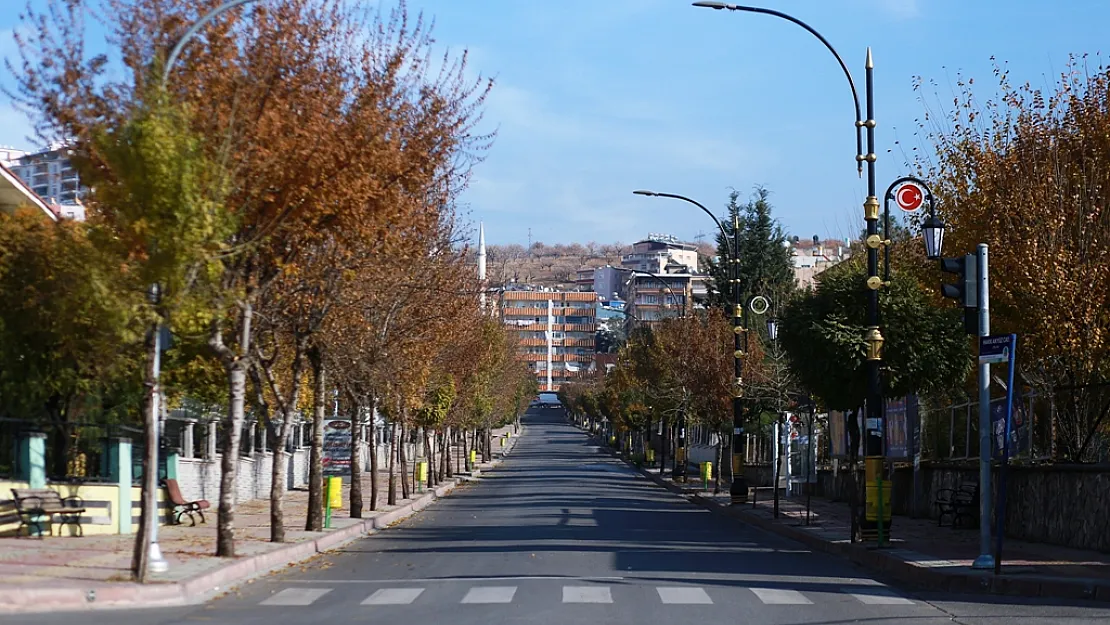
point(873, 445)
point(738, 492)
point(156, 562)
point(773, 328)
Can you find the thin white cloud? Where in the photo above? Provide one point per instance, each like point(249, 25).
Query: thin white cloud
point(901, 9)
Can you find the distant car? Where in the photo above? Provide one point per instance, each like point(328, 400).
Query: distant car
point(549, 400)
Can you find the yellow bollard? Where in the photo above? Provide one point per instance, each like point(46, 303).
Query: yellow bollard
point(651, 456)
point(422, 471)
point(335, 492)
point(473, 457)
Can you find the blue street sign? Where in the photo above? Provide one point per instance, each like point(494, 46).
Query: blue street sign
point(995, 349)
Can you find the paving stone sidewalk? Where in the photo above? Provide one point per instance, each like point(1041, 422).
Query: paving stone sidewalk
point(920, 552)
point(96, 569)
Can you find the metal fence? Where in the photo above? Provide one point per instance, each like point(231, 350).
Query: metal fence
point(952, 432)
point(74, 451)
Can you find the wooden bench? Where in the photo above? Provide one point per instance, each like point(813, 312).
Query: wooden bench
point(958, 504)
point(36, 506)
point(181, 507)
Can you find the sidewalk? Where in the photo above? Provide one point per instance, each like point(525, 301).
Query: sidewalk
point(920, 553)
point(68, 573)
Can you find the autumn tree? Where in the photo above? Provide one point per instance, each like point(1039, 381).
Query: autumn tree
point(1026, 173)
point(326, 112)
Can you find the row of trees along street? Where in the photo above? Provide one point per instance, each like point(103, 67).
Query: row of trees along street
point(291, 190)
point(1025, 173)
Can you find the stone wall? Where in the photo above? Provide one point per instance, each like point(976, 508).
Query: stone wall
point(200, 478)
point(1065, 505)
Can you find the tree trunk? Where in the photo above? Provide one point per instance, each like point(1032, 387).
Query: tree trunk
point(236, 365)
point(356, 460)
point(149, 500)
point(403, 459)
point(458, 452)
point(373, 460)
point(315, 520)
point(428, 437)
point(853, 488)
point(278, 468)
point(391, 496)
point(229, 461)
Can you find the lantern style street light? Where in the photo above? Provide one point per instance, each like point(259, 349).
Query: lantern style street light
point(773, 328)
point(933, 232)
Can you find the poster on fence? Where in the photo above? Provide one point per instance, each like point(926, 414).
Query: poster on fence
point(838, 432)
point(337, 447)
point(1019, 430)
point(901, 417)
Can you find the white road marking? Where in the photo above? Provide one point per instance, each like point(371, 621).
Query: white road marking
point(587, 594)
point(777, 596)
point(490, 594)
point(432, 580)
point(296, 596)
point(683, 594)
point(393, 596)
point(877, 596)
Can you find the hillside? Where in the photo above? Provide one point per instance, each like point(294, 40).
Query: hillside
point(553, 266)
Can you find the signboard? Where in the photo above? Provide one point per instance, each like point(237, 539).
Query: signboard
point(909, 197)
point(995, 349)
point(902, 425)
point(337, 447)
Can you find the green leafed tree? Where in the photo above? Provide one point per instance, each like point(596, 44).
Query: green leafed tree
point(823, 331)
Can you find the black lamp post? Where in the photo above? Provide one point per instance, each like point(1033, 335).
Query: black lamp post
point(739, 490)
point(873, 441)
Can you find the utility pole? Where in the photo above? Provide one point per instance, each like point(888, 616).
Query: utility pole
point(985, 559)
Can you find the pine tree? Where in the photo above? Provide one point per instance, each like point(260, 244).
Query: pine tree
point(766, 267)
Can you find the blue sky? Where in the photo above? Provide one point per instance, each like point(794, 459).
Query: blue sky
point(596, 98)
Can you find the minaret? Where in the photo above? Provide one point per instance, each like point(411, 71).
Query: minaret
point(482, 264)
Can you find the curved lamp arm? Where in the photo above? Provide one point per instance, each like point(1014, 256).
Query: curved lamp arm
point(171, 60)
point(821, 38)
point(724, 233)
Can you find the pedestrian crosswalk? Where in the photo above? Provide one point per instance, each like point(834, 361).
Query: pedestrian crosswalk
point(594, 594)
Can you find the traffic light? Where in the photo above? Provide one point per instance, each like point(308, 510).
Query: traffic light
point(966, 290)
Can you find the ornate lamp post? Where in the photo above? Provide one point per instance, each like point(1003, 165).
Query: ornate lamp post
point(739, 491)
point(873, 441)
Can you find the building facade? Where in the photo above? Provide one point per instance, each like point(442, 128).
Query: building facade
point(654, 253)
point(556, 332)
point(51, 176)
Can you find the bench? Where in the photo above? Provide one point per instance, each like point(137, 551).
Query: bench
point(181, 507)
point(36, 506)
point(958, 504)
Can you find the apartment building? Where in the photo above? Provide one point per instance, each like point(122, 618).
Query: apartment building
point(811, 258)
point(51, 176)
point(556, 332)
point(654, 253)
point(662, 295)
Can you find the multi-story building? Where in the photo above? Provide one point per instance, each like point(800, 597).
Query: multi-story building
point(654, 253)
point(662, 295)
point(556, 332)
point(811, 258)
point(51, 176)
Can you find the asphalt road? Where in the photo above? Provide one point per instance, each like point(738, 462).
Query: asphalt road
point(562, 534)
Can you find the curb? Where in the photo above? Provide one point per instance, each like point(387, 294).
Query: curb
point(903, 569)
point(204, 586)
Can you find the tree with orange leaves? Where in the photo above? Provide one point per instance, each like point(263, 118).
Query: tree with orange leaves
point(318, 128)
